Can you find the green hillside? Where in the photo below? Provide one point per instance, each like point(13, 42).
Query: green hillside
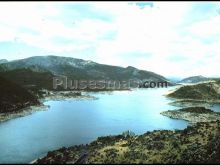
point(13, 97)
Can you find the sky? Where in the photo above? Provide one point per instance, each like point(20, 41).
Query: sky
point(174, 39)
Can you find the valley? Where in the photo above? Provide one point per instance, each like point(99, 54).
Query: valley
point(109, 83)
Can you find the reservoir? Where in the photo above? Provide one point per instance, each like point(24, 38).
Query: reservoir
point(73, 122)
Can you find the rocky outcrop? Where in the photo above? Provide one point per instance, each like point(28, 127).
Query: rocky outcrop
point(193, 114)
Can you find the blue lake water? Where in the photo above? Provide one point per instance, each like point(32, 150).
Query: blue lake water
point(72, 122)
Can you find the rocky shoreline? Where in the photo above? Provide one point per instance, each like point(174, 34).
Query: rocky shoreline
point(21, 113)
point(193, 114)
point(66, 95)
point(192, 102)
point(195, 103)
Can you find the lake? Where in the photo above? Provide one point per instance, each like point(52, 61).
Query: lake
point(71, 122)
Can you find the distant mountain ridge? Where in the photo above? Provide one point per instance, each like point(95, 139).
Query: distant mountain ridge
point(2, 61)
point(81, 69)
point(195, 79)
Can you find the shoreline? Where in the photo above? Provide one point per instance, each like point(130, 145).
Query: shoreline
point(193, 115)
point(34, 161)
point(214, 101)
point(62, 97)
point(22, 113)
point(187, 104)
point(184, 103)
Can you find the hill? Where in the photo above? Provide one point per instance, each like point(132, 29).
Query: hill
point(194, 79)
point(29, 79)
point(13, 97)
point(207, 91)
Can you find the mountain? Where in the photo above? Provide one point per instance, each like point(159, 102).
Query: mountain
point(207, 91)
point(13, 97)
point(81, 69)
point(194, 79)
point(3, 61)
point(174, 79)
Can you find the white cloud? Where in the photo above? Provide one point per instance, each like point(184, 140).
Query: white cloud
point(174, 43)
point(206, 28)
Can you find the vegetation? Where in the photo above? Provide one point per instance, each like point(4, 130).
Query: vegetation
point(13, 97)
point(199, 110)
point(30, 79)
point(204, 91)
point(195, 144)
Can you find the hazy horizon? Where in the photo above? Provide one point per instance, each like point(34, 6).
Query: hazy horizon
point(173, 39)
